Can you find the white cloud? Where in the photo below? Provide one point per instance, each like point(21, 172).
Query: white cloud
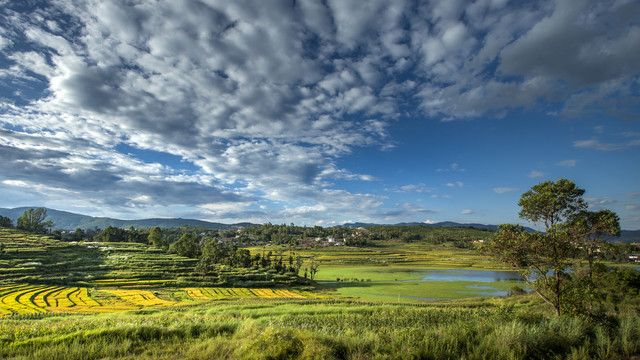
point(441, 196)
point(467, 212)
point(17, 183)
point(597, 202)
point(597, 145)
point(417, 188)
point(526, 43)
point(502, 190)
point(535, 174)
point(260, 99)
point(452, 167)
point(568, 163)
point(455, 184)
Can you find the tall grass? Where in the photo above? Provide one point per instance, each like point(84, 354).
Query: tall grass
point(324, 329)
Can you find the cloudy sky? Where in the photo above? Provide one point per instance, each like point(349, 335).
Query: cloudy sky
point(318, 112)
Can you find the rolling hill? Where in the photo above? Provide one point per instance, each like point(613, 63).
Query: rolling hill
point(69, 220)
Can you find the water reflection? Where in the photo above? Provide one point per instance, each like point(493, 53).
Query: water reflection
point(467, 275)
point(486, 293)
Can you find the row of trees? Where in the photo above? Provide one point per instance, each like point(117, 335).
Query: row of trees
point(212, 254)
point(289, 234)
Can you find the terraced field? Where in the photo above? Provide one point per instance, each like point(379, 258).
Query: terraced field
point(38, 259)
point(226, 293)
point(30, 299)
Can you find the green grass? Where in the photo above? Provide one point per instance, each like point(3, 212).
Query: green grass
point(390, 253)
point(322, 329)
point(419, 291)
point(402, 283)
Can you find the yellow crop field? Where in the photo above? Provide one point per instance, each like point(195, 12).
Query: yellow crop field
point(228, 293)
point(140, 297)
point(33, 299)
point(28, 299)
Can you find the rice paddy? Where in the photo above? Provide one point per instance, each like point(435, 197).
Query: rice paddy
point(32, 299)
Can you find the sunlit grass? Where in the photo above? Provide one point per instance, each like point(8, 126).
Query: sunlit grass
point(262, 328)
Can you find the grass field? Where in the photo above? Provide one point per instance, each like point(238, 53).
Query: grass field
point(263, 328)
point(390, 271)
point(385, 253)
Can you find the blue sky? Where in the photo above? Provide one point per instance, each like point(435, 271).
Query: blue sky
point(318, 112)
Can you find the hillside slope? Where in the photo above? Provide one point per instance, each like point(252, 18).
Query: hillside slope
point(69, 220)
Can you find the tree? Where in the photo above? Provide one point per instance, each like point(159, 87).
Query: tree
point(186, 246)
point(299, 262)
point(112, 234)
point(78, 235)
point(589, 227)
point(6, 222)
point(155, 237)
point(313, 268)
point(33, 220)
point(588, 290)
point(544, 260)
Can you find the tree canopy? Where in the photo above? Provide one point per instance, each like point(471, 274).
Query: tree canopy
point(155, 237)
point(6, 222)
point(187, 246)
point(33, 220)
point(548, 261)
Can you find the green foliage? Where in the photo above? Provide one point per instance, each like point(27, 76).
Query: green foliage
point(112, 234)
point(6, 222)
point(115, 234)
point(78, 235)
point(187, 246)
point(597, 292)
point(547, 260)
point(552, 203)
point(313, 268)
point(33, 220)
point(155, 237)
point(216, 253)
point(461, 237)
point(589, 227)
point(321, 329)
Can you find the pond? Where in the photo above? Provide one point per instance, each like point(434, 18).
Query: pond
point(484, 276)
point(429, 284)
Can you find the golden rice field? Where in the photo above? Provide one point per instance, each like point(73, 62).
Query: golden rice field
point(31, 299)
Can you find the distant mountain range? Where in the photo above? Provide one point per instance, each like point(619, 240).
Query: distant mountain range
point(439, 224)
point(626, 236)
point(69, 220)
